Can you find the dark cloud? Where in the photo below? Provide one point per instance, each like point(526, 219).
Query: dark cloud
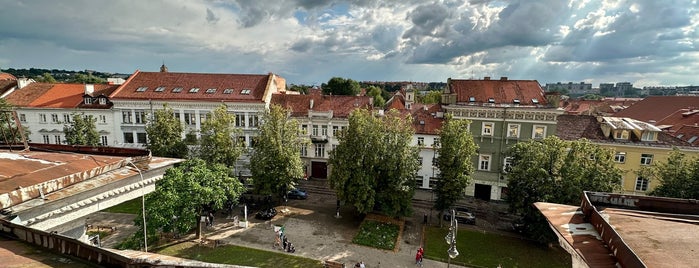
point(210, 17)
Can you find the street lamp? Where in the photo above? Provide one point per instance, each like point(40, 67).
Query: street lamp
point(451, 238)
point(143, 204)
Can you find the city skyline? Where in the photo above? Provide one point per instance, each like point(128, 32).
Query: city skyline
point(645, 42)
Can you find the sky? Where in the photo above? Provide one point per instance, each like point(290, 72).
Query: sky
point(645, 42)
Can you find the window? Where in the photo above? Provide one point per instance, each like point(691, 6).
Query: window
point(194, 90)
point(245, 92)
point(103, 101)
point(419, 160)
point(649, 136)
point(88, 100)
point(320, 150)
point(484, 162)
point(471, 99)
point(22, 118)
point(102, 119)
point(314, 130)
point(515, 101)
point(54, 118)
point(491, 100)
point(324, 130)
point(620, 157)
point(140, 117)
point(141, 137)
point(57, 139)
point(141, 89)
point(46, 139)
point(418, 182)
point(535, 101)
point(334, 147)
point(241, 140)
point(420, 141)
point(128, 137)
point(103, 139)
point(436, 142)
point(506, 164)
point(692, 139)
point(126, 117)
point(42, 118)
point(211, 91)
point(335, 129)
point(159, 89)
point(488, 129)
point(304, 129)
point(177, 90)
point(621, 135)
point(513, 130)
point(190, 118)
point(304, 150)
point(646, 159)
point(253, 121)
point(641, 184)
point(228, 91)
point(539, 132)
point(239, 120)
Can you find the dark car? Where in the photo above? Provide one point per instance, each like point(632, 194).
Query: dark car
point(463, 215)
point(266, 214)
point(297, 194)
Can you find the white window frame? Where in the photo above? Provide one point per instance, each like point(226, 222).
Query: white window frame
point(543, 132)
point(620, 157)
point(22, 118)
point(324, 130)
point(103, 139)
point(47, 140)
point(42, 118)
point(320, 150)
point(484, 161)
point(57, 139)
point(622, 134)
point(488, 128)
point(646, 159)
point(335, 130)
point(66, 118)
point(516, 128)
point(314, 130)
point(420, 141)
point(641, 184)
point(54, 118)
point(126, 117)
point(506, 164)
point(304, 150)
point(102, 119)
point(649, 136)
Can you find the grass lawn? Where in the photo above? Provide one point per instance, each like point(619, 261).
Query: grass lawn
point(479, 249)
point(132, 206)
point(377, 234)
point(236, 255)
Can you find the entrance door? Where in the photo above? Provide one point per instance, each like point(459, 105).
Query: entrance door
point(319, 170)
point(482, 192)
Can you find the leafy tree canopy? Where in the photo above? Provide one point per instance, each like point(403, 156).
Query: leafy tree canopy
point(556, 171)
point(8, 126)
point(374, 165)
point(46, 78)
point(165, 134)
point(454, 154)
point(433, 96)
point(678, 176)
point(82, 130)
point(217, 143)
point(275, 161)
point(376, 92)
point(303, 89)
point(341, 86)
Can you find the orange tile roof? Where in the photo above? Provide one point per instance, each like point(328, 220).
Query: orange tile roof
point(6, 85)
point(24, 96)
point(211, 87)
point(64, 96)
point(573, 127)
point(656, 108)
point(7, 76)
point(688, 133)
point(502, 91)
point(680, 118)
point(425, 120)
point(300, 105)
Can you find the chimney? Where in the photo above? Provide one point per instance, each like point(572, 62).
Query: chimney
point(89, 89)
point(311, 106)
point(504, 78)
point(23, 82)
point(486, 78)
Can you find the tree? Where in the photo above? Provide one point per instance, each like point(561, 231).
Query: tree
point(432, 96)
point(185, 193)
point(341, 86)
point(374, 165)
point(82, 130)
point(453, 161)
point(557, 171)
point(8, 125)
point(303, 89)
point(375, 92)
point(275, 161)
point(87, 79)
point(678, 176)
point(165, 134)
point(217, 142)
point(46, 78)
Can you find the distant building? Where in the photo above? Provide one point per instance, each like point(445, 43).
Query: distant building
point(581, 88)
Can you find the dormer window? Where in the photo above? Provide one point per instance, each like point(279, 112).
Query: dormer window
point(621, 134)
point(103, 101)
point(692, 139)
point(649, 136)
point(491, 100)
point(228, 91)
point(211, 91)
point(471, 99)
point(245, 92)
point(515, 101)
point(88, 100)
point(177, 90)
point(141, 89)
point(535, 101)
point(159, 89)
point(194, 90)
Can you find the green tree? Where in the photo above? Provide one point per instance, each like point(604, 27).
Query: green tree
point(82, 130)
point(165, 134)
point(217, 142)
point(8, 125)
point(556, 171)
point(678, 176)
point(432, 96)
point(46, 78)
point(341, 86)
point(275, 161)
point(87, 79)
point(375, 92)
point(453, 160)
point(303, 89)
point(186, 192)
point(373, 166)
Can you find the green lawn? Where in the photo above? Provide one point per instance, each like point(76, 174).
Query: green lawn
point(479, 249)
point(132, 206)
point(377, 234)
point(236, 255)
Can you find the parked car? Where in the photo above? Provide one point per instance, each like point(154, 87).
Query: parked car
point(266, 214)
point(297, 194)
point(463, 215)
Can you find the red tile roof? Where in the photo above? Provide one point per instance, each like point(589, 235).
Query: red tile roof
point(396, 102)
point(688, 133)
point(425, 120)
point(211, 87)
point(7, 76)
point(573, 127)
point(500, 91)
point(47, 95)
point(655, 108)
point(678, 119)
point(300, 105)
point(6, 85)
point(24, 96)
point(604, 107)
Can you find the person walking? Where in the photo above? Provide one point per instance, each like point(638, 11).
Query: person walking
point(418, 256)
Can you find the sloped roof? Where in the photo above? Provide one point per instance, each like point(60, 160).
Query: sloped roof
point(680, 118)
point(656, 108)
point(7, 76)
point(397, 101)
point(688, 133)
point(425, 120)
point(211, 87)
point(6, 85)
point(573, 127)
point(65, 95)
point(300, 105)
point(23, 97)
point(502, 91)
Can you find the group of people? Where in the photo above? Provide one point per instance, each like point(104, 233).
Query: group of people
point(284, 243)
point(360, 265)
point(419, 255)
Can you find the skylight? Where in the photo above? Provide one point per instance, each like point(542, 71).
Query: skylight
point(692, 139)
point(194, 90)
point(245, 92)
point(141, 89)
point(491, 100)
point(211, 91)
point(177, 90)
point(472, 99)
point(228, 91)
point(159, 89)
point(535, 101)
point(516, 101)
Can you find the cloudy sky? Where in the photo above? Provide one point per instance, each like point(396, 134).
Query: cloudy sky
point(646, 42)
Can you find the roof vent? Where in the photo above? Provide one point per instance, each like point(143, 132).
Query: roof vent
point(89, 89)
point(504, 78)
point(486, 78)
point(516, 101)
point(491, 100)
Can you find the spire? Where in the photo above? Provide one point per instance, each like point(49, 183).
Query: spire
point(163, 68)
